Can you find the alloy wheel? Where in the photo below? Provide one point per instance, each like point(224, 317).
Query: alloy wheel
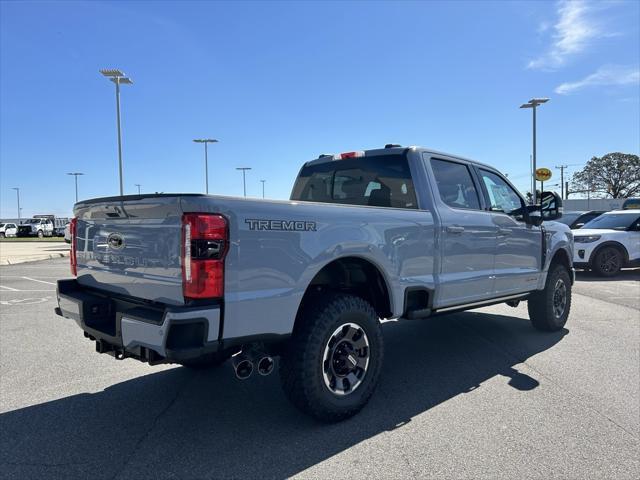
point(346, 359)
point(559, 298)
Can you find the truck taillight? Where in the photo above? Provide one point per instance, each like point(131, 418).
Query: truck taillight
point(204, 244)
point(73, 259)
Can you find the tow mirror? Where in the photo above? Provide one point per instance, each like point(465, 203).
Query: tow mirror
point(550, 206)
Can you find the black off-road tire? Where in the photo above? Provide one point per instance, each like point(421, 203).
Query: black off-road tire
point(303, 366)
point(210, 360)
point(544, 305)
point(607, 261)
point(40, 234)
point(2, 235)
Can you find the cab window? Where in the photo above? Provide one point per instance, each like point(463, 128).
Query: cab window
point(378, 181)
point(455, 185)
point(502, 197)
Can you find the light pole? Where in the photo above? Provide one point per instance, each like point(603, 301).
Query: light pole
point(18, 194)
point(562, 168)
point(263, 187)
point(206, 160)
point(533, 104)
point(244, 178)
point(119, 78)
point(138, 185)
point(76, 174)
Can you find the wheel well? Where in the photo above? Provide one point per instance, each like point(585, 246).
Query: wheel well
point(561, 257)
point(356, 276)
point(619, 246)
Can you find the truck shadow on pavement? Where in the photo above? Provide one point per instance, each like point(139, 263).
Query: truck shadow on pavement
point(183, 424)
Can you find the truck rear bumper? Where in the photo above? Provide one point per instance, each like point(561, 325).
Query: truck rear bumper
point(151, 333)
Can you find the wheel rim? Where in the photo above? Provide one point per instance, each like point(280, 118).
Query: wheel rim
point(346, 359)
point(609, 261)
point(559, 298)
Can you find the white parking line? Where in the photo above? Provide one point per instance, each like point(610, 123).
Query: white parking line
point(15, 290)
point(41, 281)
point(9, 288)
point(25, 301)
point(2, 275)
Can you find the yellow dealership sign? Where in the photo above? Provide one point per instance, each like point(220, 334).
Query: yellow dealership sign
point(543, 174)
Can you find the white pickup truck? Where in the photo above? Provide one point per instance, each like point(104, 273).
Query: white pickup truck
point(43, 226)
point(391, 233)
point(36, 227)
point(8, 230)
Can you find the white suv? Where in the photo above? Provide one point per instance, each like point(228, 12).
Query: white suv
point(609, 242)
point(8, 230)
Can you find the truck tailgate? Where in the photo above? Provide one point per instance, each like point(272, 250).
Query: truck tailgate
point(132, 246)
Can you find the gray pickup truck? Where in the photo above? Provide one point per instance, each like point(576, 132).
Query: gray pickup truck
point(391, 233)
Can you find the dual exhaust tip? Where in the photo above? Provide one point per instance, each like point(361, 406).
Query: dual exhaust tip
point(243, 366)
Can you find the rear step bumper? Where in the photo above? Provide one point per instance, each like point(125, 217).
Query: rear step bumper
point(125, 328)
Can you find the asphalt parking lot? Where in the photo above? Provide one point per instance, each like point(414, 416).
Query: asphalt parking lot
point(473, 395)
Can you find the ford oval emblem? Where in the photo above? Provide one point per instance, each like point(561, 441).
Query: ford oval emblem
point(115, 241)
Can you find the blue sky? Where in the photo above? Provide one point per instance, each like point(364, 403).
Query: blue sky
point(280, 83)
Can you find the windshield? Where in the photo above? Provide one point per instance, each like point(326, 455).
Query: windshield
point(614, 221)
point(568, 218)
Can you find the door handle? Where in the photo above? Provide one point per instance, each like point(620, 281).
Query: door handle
point(505, 231)
point(455, 229)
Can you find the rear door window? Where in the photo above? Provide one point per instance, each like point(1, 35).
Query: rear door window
point(455, 184)
point(379, 181)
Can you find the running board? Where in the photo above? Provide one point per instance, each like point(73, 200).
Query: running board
point(483, 303)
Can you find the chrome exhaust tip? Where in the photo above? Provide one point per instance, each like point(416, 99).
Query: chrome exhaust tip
point(265, 366)
point(243, 369)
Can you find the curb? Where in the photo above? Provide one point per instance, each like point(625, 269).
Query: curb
point(33, 258)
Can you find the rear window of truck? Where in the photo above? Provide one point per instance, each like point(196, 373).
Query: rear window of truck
point(380, 181)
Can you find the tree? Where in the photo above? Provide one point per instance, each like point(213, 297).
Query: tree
point(615, 175)
point(529, 198)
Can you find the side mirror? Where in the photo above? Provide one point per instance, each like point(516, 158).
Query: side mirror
point(550, 206)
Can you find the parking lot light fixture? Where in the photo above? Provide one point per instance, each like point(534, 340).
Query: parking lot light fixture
point(138, 185)
point(76, 175)
point(119, 78)
point(17, 189)
point(244, 178)
point(206, 160)
point(533, 104)
point(263, 181)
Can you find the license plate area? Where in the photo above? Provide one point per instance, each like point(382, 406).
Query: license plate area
point(100, 314)
point(95, 312)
